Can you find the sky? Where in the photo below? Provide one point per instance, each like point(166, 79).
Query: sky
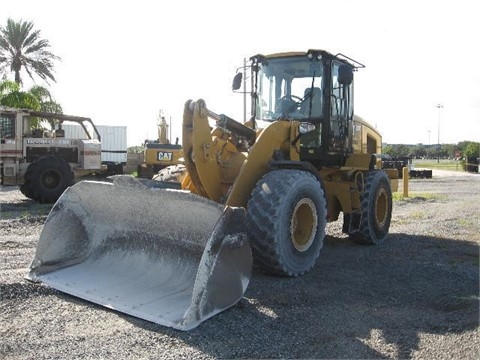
point(124, 61)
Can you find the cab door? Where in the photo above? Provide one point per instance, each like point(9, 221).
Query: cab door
point(341, 107)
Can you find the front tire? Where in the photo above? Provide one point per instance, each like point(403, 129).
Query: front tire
point(286, 220)
point(47, 178)
point(376, 209)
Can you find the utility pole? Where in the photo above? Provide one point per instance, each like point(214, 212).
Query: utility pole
point(439, 107)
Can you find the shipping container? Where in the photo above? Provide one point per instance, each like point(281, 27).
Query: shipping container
point(113, 143)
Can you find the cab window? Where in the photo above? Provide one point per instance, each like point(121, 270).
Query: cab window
point(7, 126)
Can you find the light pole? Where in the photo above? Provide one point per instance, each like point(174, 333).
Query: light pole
point(439, 107)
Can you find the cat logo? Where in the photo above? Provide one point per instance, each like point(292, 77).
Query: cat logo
point(164, 156)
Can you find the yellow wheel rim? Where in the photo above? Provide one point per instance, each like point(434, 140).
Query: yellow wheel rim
point(303, 224)
point(381, 208)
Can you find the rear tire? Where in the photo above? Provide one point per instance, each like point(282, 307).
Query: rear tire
point(376, 209)
point(286, 220)
point(47, 178)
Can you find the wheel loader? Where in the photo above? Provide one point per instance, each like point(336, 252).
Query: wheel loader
point(259, 191)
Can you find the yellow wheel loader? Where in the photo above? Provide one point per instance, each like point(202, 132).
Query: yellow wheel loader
point(261, 191)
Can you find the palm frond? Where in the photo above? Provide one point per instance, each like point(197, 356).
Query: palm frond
point(8, 86)
point(22, 100)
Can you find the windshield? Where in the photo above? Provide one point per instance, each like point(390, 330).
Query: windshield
point(289, 88)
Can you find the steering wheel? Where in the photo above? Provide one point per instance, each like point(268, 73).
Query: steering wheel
point(268, 115)
point(287, 102)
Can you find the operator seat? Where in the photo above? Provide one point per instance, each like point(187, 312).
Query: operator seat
point(316, 102)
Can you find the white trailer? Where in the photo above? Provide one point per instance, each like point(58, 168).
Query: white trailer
point(113, 144)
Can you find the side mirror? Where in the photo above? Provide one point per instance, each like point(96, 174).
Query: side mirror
point(237, 81)
point(345, 75)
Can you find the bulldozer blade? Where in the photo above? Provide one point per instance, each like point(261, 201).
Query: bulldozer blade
point(163, 255)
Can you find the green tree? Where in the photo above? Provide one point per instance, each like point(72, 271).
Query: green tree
point(36, 98)
point(471, 156)
point(472, 150)
point(135, 149)
point(47, 103)
point(463, 145)
point(401, 150)
point(7, 86)
point(431, 152)
point(448, 150)
point(12, 96)
point(388, 149)
point(22, 48)
point(419, 151)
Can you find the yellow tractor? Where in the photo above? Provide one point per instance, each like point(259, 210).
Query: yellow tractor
point(160, 153)
point(260, 191)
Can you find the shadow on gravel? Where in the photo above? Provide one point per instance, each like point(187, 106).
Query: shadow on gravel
point(357, 302)
point(23, 209)
point(26, 207)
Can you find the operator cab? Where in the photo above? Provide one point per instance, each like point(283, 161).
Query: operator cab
point(314, 88)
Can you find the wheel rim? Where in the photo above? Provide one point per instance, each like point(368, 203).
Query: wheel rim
point(50, 179)
point(303, 224)
point(381, 208)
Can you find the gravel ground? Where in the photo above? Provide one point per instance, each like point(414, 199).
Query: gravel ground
point(415, 296)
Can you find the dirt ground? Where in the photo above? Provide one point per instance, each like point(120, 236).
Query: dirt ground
point(415, 296)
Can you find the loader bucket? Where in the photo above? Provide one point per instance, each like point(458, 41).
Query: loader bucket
point(166, 256)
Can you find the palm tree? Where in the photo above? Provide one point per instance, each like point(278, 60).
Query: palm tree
point(21, 48)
